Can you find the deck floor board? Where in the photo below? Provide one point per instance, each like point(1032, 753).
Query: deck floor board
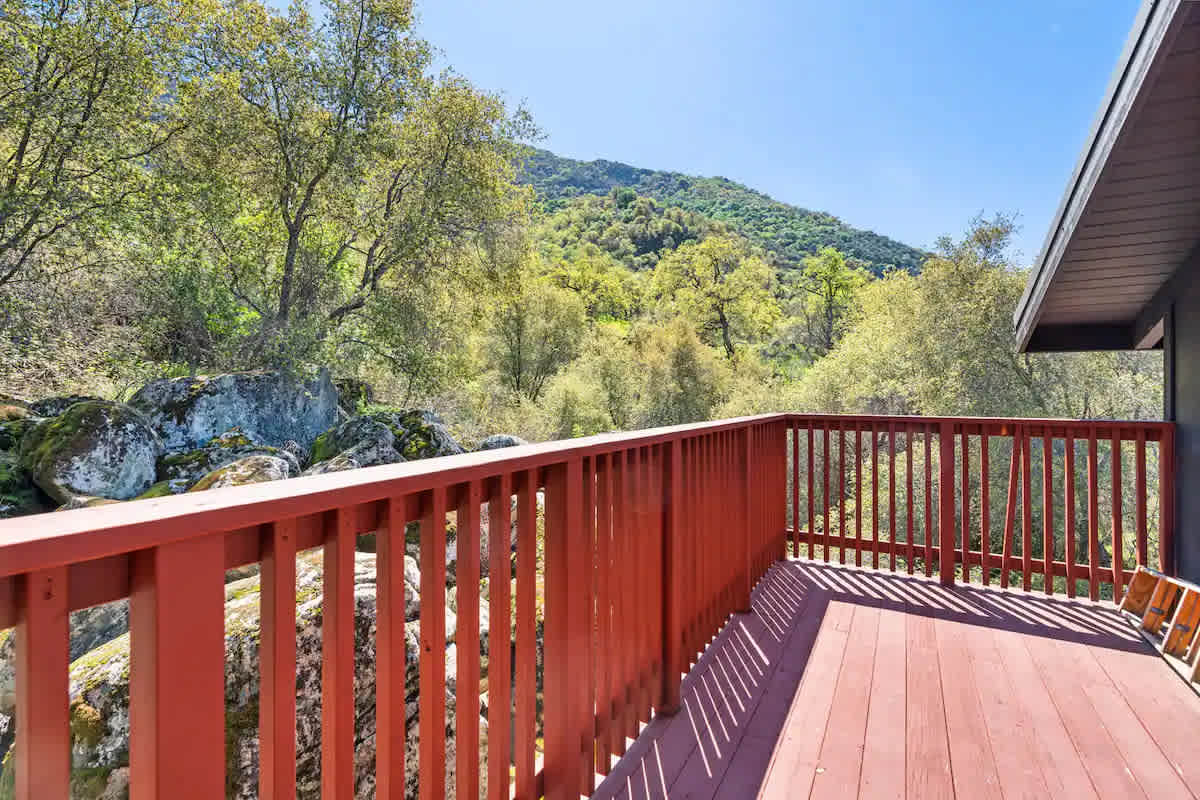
point(848, 682)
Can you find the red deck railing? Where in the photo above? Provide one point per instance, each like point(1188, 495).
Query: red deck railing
point(1053, 505)
point(651, 540)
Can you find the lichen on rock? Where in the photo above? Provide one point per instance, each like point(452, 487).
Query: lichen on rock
point(251, 469)
point(500, 440)
point(363, 441)
point(270, 407)
point(382, 436)
point(181, 470)
point(94, 448)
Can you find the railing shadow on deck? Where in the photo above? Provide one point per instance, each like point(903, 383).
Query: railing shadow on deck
point(737, 696)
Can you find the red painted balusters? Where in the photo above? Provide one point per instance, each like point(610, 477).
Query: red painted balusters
point(985, 509)
point(42, 750)
point(1027, 512)
point(874, 496)
point(432, 733)
point(1093, 501)
point(177, 671)
point(562, 638)
point(825, 487)
point(908, 514)
point(1140, 495)
point(1048, 510)
point(673, 579)
point(894, 549)
point(928, 501)
point(795, 490)
point(1118, 542)
point(466, 709)
point(277, 667)
point(606, 592)
point(499, 756)
point(1069, 504)
point(858, 546)
point(842, 494)
point(946, 503)
point(812, 447)
point(1014, 476)
point(524, 729)
point(965, 498)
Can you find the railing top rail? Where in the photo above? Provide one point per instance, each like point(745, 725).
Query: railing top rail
point(48, 540)
point(1107, 424)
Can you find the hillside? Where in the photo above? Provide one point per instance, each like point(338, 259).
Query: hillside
point(634, 230)
point(788, 232)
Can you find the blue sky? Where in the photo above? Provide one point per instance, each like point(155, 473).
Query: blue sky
point(903, 117)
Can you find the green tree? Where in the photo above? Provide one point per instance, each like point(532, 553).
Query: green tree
point(535, 332)
point(609, 291)
point(827, 288)
point(683, 379)
point(85, 103)
point(324, 168)
point(722, 288)
point(942, 343)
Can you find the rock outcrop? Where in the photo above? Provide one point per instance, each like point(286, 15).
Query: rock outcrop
point(53, 406)
point(272, 408)
point(499, 440)
point(364, 441)
point(382, 436)
point(251, 469)
point(197, 434)
point(353, 394)
point(184, 469)
point(94, 448)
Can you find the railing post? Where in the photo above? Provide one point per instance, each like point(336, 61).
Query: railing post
point(564, 524)
point(748, 519)
point(672, 627)
point(946, 503)
point(177, 671)
point(42, 749)
point(781, 487)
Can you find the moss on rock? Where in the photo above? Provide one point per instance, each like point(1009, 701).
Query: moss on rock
point(382, 435)
point(12, 431)
point(53, 406)
point(94, 448)
point(86, 724)
point(185, 468)
point(252, 469)
point(161, 489)
point(18, 494)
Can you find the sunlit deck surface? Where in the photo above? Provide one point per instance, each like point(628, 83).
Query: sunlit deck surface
point(846, 682)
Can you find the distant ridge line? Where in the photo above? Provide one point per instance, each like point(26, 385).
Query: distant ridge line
point(788, 233)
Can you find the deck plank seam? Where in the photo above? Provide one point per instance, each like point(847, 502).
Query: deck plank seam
point(1071, 736)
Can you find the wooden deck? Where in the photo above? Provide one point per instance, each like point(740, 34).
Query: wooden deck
point(853, 683)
